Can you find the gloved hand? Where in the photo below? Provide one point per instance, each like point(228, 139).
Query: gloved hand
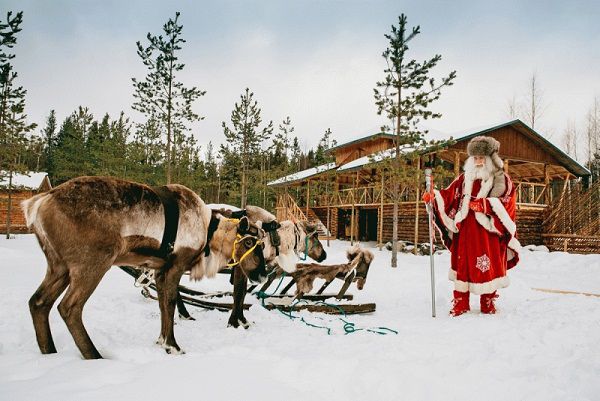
point(427, 197)
point(476, 205)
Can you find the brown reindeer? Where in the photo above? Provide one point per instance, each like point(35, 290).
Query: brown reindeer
point(296, 240)
point(359, 261)
point(88, 224)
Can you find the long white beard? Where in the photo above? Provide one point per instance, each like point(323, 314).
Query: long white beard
point(473, 172)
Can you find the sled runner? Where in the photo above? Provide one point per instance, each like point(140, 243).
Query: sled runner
point(354, 271)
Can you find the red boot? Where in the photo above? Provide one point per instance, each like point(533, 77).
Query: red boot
point(460, 303)
point(487, 303)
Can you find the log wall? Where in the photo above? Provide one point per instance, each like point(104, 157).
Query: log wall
point(17, 216)
point(529, 223)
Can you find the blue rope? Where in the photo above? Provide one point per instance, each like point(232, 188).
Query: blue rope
point(349, 327)
point(305, 249)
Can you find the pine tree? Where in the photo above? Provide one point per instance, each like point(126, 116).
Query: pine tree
point(325, 143)
point(245, 138)
point(296, 161)
point(160, 96)
point(281, 146)
point(72, 158)
point(211, 182)
point(404, 97)
point(49, 137)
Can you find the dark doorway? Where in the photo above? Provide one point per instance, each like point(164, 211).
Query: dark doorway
point(367, 224)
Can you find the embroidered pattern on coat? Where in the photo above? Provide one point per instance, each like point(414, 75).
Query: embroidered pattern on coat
point(483, 263)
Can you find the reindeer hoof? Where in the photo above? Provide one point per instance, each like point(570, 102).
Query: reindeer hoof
point(237, 323)
point(171, 350)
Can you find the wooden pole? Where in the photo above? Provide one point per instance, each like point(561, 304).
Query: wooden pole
point(352, 225)
point(456, 164)
point(307, 198)
point(328, 213)
point(547, 185)
point(506, 166)
point(380, 227)
point(417, 201)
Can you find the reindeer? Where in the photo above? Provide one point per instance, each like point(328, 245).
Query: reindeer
point(285, 243)
point(359, 261)
point(88, 224)
point(297, 240)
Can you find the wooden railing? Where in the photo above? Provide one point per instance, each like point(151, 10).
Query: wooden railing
point(531, 193)
point(528, 194)
point(288, 209)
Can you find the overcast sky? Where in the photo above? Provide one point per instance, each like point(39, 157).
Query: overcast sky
point(316, 61)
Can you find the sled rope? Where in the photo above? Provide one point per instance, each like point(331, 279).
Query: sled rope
point(349, 327)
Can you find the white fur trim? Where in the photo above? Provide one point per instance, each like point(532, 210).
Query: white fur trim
point(514, 244)
point(448, 222)
point(486, 222)
point(502, 214)
point(478, 288)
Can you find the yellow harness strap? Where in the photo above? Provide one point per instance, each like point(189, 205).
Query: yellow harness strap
point(248, 252)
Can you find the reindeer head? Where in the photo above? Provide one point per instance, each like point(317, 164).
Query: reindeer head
point(363, 258)
point(312, 245)
point(248, 251)
point(237, 244)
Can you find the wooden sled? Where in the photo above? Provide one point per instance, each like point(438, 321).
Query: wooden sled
point(355, 271)
point(188, 296)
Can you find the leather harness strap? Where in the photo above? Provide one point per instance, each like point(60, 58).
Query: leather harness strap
point(212, 227)
point(171, 210)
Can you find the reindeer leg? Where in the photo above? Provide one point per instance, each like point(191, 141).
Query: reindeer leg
point(41, 302)
point(82, 283)
point(166, 285)
point(240, 284)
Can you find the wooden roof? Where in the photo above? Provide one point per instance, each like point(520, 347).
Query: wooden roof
point(367, 145)
point(521, 143)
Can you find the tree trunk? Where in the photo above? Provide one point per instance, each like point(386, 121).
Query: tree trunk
point(396, 189)
point(9, 208)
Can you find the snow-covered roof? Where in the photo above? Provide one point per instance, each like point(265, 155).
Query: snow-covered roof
point(302, 175)
point(30, 180)
point(374, 158)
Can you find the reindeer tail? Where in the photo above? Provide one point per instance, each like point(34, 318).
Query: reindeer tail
point(30, 208)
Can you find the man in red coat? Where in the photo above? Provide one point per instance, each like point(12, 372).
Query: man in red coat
point(476, 217)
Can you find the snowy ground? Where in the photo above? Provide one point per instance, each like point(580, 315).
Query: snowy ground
point(540, 346)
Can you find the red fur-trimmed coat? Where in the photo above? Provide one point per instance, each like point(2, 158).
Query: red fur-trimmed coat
point(483, 244)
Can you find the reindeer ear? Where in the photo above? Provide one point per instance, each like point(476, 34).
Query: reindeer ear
point(244, 225)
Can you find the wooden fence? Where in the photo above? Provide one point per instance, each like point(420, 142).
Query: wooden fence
point(573, 225)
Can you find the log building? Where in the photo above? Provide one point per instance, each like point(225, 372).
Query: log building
point(349, 200)
point(24, 186)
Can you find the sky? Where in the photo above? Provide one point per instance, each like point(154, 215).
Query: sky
point(315, 61)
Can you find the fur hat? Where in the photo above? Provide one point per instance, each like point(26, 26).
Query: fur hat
point(485, 146)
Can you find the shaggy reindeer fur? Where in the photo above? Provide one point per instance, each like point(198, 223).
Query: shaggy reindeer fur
point(293, 241)
point(88, 224)
point(358, 260)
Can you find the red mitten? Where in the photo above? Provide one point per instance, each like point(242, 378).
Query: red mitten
point(427, 197)
point(476, 205)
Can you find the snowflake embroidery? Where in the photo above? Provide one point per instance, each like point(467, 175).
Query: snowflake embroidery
point(483, 263)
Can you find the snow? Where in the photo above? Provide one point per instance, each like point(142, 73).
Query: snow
point(31, 180)
point(301, 175)
point(540, 346)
